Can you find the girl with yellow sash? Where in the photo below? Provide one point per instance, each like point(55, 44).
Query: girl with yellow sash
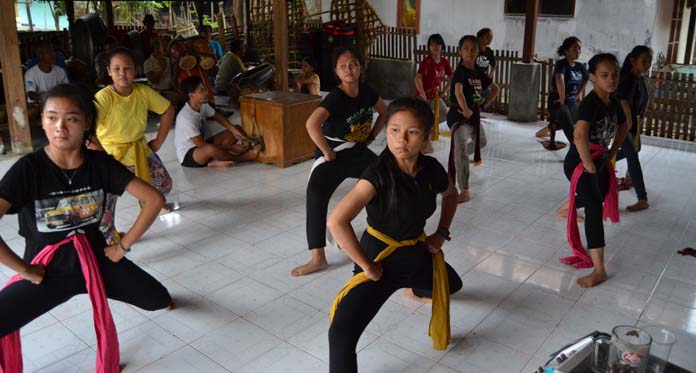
point(121, 122)
point(399, 192)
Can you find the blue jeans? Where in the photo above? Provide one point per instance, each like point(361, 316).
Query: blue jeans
point(628, 150)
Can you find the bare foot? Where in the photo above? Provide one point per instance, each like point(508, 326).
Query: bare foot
point(562, 213)
point(638, 206)
point(544, 132)
point(221, 163)
point(310, 267)
point(594, 278)
point(410, 295)
point(463, 196)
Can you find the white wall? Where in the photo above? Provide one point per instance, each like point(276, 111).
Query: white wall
point(604, 26)
point(663, 19)
point(684, 33)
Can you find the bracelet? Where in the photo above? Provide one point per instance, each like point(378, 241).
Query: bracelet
point(120, 245)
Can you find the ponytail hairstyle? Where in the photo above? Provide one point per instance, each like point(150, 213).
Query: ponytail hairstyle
point(601, 58)
point(81, 97)
point(567, 43)
point(389, 178)
point(635, 53)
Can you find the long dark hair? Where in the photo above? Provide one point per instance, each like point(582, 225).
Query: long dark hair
point(389, 178)
point(635, 53)
point(80, 96)
point(567, 43)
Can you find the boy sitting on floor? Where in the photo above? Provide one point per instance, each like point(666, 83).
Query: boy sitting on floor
point(193, 148)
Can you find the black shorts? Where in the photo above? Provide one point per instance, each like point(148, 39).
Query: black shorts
point(190, 162)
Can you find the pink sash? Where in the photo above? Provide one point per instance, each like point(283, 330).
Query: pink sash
point(107, 339)
point(580, 259)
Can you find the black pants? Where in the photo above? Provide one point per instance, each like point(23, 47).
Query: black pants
point(590, 194)
point(124, 281)
point(323, 182)
point(564, 118)
point(407, 267)
point(628, 150)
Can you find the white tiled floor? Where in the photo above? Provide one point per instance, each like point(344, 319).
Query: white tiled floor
point(227, 253)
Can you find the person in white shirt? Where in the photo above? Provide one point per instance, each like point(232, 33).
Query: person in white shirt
point(221, 149)
point(44, 76)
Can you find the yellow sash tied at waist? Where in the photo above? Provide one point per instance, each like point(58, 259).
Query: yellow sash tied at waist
point(439, 328)
point(435, 135)
point(133, 154)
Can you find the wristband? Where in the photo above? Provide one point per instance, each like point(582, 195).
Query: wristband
point(120, 245)
point(444, 232)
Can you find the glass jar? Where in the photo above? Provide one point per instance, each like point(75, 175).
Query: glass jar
point(630, 350)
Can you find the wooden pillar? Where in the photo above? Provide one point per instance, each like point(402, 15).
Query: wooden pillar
point(280, 43)
point(109, 11)
point(690, 37)
point(70, 11)
point(13, 80)
point(530, 24)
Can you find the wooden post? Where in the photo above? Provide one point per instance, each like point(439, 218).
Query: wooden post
point(15, 97)
point(690, 36)
point(31, 23)
point(109, 10)
point(70, 11)
point(280, 43)
point(530, 23)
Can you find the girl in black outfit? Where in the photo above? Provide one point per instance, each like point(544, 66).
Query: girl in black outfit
point(633, 96)
point(59, 190)
point(600, 117)
point(399, 192)
point(569, 81)
point(341, 127)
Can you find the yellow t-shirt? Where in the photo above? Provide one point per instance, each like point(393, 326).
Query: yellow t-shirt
point(124, 119)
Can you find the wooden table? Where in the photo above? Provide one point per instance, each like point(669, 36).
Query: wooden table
point(280, 119)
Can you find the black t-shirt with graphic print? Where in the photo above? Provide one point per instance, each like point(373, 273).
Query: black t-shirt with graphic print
point(350, 118)
point(417, 198)
point(603, 118)
point(473, 84)
point(485, 60)
point(49, 207)
point(634, 90)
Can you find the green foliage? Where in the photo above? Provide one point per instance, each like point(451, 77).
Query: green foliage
point(208, 22)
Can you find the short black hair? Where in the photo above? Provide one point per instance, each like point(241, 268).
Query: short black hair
point(471, 38)
point(42, 45)
point(338, 52)
point(311, 61)
point(419, 108)
point(190, 84)
point(236, 46)
point(149, 18)
point(482, 32)
point(601, 58)
point(80, 96)
point(121, 50)
point(437, 39)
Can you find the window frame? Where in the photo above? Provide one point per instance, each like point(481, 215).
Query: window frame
point(508, 14)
